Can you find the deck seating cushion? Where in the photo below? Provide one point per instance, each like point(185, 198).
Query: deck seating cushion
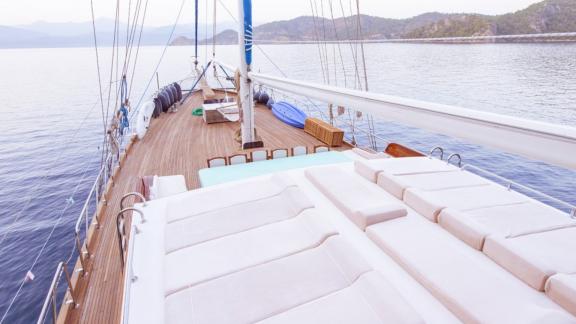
point(166, 186)
point(473, 226)
point(235, 218)
point(202, 201)
point(370, 155)
point(430, 203)
point(469, 284)
point(363, 203)
point(535, 257)
point(370, 300)
point(396, 184)
point(401, 166)
point(208, 260)
point(261, 291)
point(561, 288)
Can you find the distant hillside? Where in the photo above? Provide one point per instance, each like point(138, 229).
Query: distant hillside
point(76, 34)
point(302, 28)
point(548, 16)
point(551, 16)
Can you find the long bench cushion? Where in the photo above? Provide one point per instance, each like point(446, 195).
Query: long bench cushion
point(259, 292)
point(561, 288)
point(473, 226)
point(469, 284)
point(399, 166)
point(236, 218)
point(535, 257)
point(205, 200)
point(371, 299)
point(396, 184)
point(430, 203)
point(201, 262)
point(363, 203)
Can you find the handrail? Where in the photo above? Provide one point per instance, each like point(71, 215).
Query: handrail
point(455, 155)
point(134, 193)
point(437, 148)
point(51, 296)
point(510, 184)
point(93, 200)
point(121, 230)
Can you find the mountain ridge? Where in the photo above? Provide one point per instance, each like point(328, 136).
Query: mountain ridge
point(542, 17)
point(549, 16)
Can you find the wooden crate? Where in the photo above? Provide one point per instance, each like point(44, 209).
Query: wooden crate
point(324, 132)
point(311, 125)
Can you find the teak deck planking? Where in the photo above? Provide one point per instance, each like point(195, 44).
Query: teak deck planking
point(176, 143)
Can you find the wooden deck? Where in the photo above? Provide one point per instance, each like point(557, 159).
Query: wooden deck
point(176, 143)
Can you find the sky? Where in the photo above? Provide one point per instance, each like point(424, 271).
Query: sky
point(163, 12)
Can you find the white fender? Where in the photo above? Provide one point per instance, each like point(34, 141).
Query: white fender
point(144, 117)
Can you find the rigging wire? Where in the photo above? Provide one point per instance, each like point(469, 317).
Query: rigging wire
point(98, 67)
point(159, 60)
point(339, 48)
point(70, 140)
point(320, 56)
point(138, 48)
point(69, 203)
point(360, 36)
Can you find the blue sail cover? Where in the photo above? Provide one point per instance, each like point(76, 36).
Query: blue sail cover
point(248, 30)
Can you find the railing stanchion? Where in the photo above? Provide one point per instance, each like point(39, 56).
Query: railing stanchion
point(70, 287)
point(80, 255)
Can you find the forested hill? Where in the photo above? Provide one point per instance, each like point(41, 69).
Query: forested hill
point(548, 16)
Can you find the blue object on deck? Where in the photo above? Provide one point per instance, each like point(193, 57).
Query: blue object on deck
point(223, 174)
point(289, 114)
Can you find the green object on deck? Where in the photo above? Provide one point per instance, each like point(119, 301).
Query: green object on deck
point(198, 112)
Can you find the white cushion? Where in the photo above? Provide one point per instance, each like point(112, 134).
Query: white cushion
point(202, 201)
point(561, 288)
point(370, 155)
point(473, 226)
point(236, 218)
point(430, 203)
point(170, 185)
point(261, 291)
point(398, 166)
point(469, 284)
point(371, 299)
point(396, 184)
point(364, 204)
point(535, 257)
point(201, 262)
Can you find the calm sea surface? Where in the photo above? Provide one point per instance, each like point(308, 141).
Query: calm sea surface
point(51, 126)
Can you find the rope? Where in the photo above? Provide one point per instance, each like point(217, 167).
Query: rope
point(98, 66)
point(56, 160)
point(359, 29)
point(339, 48)
point(159, 61)
point(138, 49)
point(318, 42)
point(69, 202)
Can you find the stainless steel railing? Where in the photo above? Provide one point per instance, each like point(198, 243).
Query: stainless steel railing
point(88, 215)
point(51, 303)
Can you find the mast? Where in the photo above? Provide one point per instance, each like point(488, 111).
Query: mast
point(245, 96)
point(195, 33)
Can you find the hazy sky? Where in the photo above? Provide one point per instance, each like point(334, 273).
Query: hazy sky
point(163, 12)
